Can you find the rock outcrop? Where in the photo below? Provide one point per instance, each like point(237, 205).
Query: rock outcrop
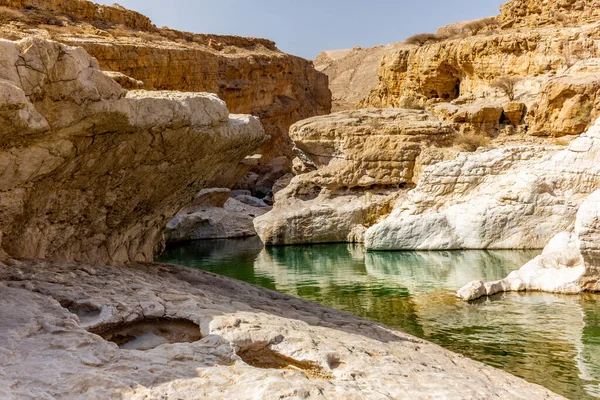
point(352, 166)
point(515, 197)
point(570, 263)
point(168, 331)
point(216, 215)
point(91, 172)
point(553, 61)
point(251, 75)
point(352, 73)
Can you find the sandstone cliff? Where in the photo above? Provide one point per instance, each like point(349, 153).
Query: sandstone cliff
point(251, 75)
point(91, 172)
point(551, 50)
point(351, 167)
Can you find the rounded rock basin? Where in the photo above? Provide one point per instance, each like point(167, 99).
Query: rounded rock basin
point(149, 333)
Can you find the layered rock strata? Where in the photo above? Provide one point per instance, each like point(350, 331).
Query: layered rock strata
point(251, 75)
point(91, 172)
point(515, 197)
point(179, 332)
point(352, 167)
point(549, 64)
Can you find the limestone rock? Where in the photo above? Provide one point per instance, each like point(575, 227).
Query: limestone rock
point(358, 161)
point(77, 152)
point(231, 220)
point(213, 197)
point(514, 197)
point(253, 343)
point(125, 81)
point(462, 66)
point(514, 112)
point(569, 263)
point(251, 75)
point(568, 104)
point(530, 13)
point(352, 73)
point(368, 147)
point(328, 217)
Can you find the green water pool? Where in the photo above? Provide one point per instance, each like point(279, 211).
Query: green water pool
point(552, 340)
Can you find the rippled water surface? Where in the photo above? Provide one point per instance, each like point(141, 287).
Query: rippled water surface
point(552, 340)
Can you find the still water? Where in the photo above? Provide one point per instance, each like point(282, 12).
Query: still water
point(552, 340)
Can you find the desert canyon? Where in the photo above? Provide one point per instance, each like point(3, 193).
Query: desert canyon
point(119, 137)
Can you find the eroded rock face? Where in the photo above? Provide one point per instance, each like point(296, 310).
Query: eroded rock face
point(352, 168)
point(232, 219)
point(529, 13)
point(569, 264)
point(251, 75)
point(515, 197)
point(214, 337)
point(352, 73)
point(91, 172)
point(549, 48)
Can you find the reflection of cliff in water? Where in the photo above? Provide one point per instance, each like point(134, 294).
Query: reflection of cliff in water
point(549, 339)
point(335, 276)
point(423, 271)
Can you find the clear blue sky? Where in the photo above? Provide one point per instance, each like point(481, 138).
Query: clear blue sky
point(307, 27)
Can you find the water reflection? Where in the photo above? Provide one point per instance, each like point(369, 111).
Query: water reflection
point(548, 339)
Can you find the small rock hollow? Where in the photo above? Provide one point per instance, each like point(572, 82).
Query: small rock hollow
point(268, 359)
point(149, 333)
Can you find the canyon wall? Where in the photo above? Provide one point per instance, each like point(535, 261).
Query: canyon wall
point(353, 73)
point(251, 75)
point(91, 172)
point(351, 168)
point(553, 64)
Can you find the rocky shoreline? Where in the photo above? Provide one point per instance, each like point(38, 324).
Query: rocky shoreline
point(254, 343)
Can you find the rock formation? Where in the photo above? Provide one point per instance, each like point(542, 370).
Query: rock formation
point(556, 63)
point(168, 331)
point(251, 75)
point(91, 172)
point(514, 197)
point(352, 166)
point(569, 264)
point(215, 215)
point(352, 73)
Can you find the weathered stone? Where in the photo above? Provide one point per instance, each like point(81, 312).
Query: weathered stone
point(362, 159)
point(125, 81)
point(214, 197)
point(514, 112)
point(77, 153)
point(515, 197)
point(352, 73)
point(231, 220)
point(251, 75)
point(249, 335)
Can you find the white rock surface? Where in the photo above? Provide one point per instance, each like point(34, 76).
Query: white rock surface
point(515, 197)
point(569, 263)
point(46, 351)
point(232, 220)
